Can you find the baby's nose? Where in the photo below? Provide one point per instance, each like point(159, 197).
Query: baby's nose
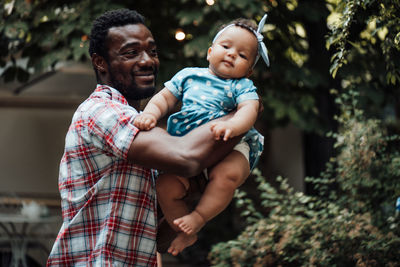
point(232, 54)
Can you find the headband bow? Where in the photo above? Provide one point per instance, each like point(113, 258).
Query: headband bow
point(262, 49)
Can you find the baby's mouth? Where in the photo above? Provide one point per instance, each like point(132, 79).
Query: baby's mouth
point(227, 62)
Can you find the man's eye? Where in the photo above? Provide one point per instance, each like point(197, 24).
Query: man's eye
point(131, 53)
point(153, 52)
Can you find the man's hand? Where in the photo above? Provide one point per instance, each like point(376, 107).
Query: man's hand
point(224, 129)
point(145, 121)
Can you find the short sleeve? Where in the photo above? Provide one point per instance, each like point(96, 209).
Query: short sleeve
point(111, 127)
point(175, 85)
point(245, 90)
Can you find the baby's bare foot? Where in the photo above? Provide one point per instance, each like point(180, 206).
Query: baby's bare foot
point(181, 242)
point(191, 223)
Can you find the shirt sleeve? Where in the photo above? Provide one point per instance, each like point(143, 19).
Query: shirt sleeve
point(245, 90)
point(111, 128)
point(175, 85)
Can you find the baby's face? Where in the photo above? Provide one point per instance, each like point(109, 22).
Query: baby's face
point(233, 54)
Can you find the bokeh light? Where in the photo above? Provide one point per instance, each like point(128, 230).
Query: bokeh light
point(210, 2)
point(180, 35)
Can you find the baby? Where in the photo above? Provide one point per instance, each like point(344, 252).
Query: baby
point(207, 94)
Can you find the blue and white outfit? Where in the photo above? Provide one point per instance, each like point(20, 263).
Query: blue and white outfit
point(205, 97)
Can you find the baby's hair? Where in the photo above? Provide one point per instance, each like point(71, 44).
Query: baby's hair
point(247, 24)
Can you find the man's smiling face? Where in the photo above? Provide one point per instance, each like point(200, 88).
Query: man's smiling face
point(132, 60)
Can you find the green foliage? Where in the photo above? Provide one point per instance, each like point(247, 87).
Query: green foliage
point(45, 33)
point(367, 165)
point(299, 230)
point(350, 222)
point(365, 41)
point(378, 29)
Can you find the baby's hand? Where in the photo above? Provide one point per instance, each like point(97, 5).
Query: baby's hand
point(223, 129)
point(145, 121)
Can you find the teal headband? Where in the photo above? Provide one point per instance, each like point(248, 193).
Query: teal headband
point(262, 49)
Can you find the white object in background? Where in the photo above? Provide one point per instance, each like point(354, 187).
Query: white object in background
point(33, 210)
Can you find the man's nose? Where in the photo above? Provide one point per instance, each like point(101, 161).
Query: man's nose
point(145, 59)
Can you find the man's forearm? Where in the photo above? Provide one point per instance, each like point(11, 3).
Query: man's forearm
point(202, 147)
point(185, 156)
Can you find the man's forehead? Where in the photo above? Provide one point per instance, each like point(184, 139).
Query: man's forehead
point(135, 31)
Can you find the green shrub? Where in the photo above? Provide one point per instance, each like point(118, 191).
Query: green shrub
point(300, 230)
point(367, 168)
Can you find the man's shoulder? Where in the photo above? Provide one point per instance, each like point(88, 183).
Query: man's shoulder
point(101, 107)
point(105, 97)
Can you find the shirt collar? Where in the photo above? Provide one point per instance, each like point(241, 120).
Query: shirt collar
point(112, 92)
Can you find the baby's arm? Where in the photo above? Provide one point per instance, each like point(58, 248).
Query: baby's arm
point(158, 106)
point(241, 122)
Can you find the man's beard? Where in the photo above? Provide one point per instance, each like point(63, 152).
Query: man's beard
point(132, 91)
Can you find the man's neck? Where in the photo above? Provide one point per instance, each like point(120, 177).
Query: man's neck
point(133, 103)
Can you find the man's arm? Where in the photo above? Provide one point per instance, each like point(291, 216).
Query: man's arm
point(186, 156)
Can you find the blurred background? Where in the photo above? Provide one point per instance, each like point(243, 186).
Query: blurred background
point(331, 61)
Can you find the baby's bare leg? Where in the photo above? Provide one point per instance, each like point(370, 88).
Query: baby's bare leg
point(225, 177)
point(171, 190)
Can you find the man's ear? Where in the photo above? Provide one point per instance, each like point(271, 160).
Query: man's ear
point(99, 63)
point(208, 53)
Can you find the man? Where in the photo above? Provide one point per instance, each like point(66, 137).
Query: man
point(106, 176)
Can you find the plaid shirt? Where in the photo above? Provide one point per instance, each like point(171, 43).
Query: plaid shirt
point(108, 204)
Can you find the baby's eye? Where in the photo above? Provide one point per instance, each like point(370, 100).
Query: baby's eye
point(243, 56)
